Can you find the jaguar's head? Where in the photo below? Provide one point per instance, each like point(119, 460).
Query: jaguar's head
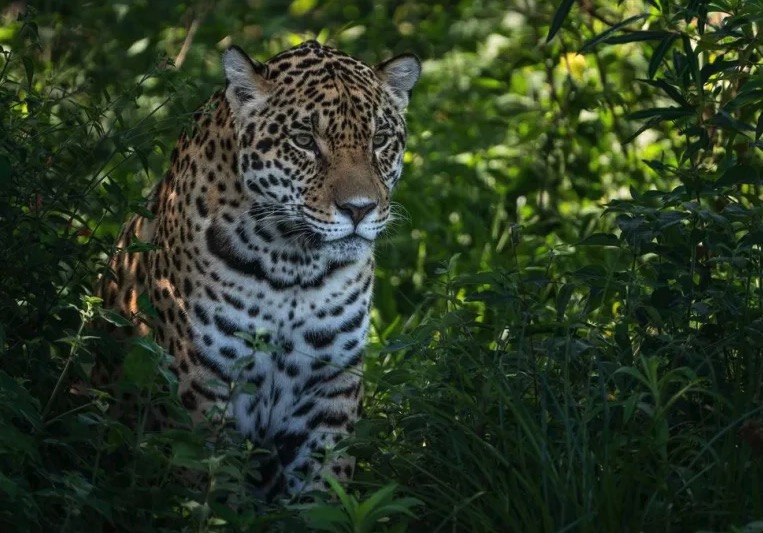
point(321, 138)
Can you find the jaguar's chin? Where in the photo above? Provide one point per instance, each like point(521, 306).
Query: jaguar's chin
point(350, 248)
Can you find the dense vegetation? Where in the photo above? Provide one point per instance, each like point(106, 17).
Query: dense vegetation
point(568, 330)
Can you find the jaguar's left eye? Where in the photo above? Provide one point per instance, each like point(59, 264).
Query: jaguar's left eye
point(304, 141)
point(380, 139)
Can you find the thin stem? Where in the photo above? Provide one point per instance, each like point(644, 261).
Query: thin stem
point(84, 318)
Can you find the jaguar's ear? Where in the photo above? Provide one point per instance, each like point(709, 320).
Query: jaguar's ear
point(399, 75)
point(246, 83)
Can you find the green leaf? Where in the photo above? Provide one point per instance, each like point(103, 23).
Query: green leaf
point(658, 166)
point(396, 376)
point(378, 499)
point(8, 487)
point(148, 344)
point(299, 8)
point(739, 174)
point(143, 157)
point(112, 317)
point(647, 125)
point(634, 373)
point(145, 306)
point(679, 68)
point(5, 171)
point(325, 518)
point(638, 36)
point(591, 273)
point(726, 120)
point(659, 54)
point(744, 98)
point(661, 113)
point(691, 57)
point(141, 209)
point(608, 34)
point(563, 299)
point(187, 454)
point(719, 65)
point(28, 69)
point(141, 364)
point(600, 239)
point(348, 501)
point(668, 89)
point(136, 245)
point(561, 13)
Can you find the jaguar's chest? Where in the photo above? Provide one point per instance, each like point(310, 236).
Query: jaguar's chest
point(281, 344)
point(246, 328)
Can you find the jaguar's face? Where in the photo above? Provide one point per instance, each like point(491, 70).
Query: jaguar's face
point(321, 139)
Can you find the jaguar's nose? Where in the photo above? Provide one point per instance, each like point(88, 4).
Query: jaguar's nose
point(356, 210)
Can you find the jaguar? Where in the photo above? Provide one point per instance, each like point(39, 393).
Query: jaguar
point(260, 268)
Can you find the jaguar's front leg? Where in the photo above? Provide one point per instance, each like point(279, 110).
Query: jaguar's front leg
point(321, 419)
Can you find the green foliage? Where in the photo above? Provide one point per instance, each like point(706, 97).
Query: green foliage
point(567, 325)
point(360, 517)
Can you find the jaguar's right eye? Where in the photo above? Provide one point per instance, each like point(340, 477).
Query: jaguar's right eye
point(304, 141)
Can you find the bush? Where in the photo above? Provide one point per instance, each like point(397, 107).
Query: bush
point(605, 393)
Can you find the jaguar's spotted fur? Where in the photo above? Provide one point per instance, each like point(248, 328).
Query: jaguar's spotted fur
point(265, 224)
